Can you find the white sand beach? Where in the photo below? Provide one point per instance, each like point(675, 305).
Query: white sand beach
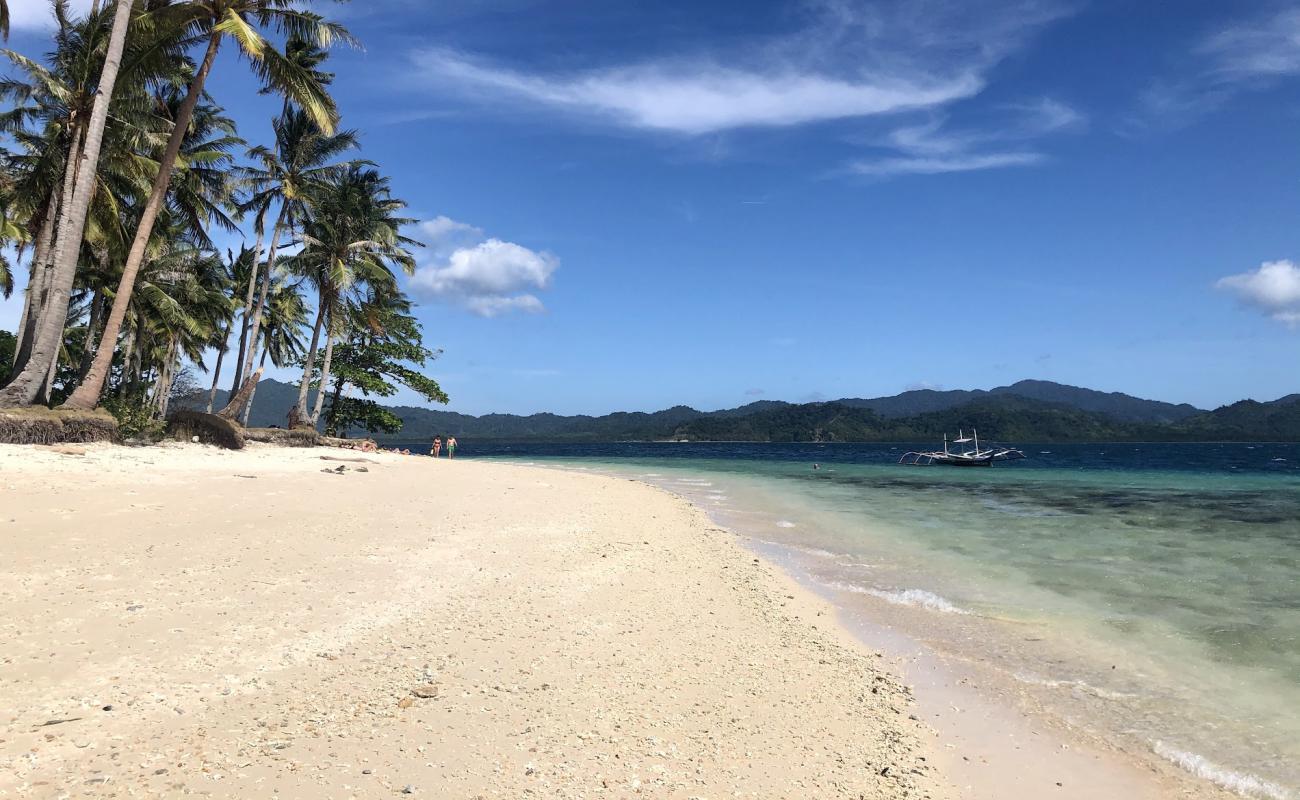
point(186, 620)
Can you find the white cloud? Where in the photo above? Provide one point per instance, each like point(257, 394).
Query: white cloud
point(704, 97)
point(933, 148)
point(1274, 288)
point(494, 305)
point(1261, 48)
point(1252, 54)
point(489, 278)
point(441, 227)
point(887, 167)
point(36, 15)
point(848, 61)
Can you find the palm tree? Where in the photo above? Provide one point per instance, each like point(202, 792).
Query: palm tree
point(217, 20)
point(350, 239)
point(286, 173)
point(23, 388)
point(240, 269)
point(285, 318)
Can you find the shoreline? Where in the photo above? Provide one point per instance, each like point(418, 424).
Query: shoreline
point(1035, 750)
point(241, 624)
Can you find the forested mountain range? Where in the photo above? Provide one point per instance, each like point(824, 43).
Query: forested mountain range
point(1028, 411)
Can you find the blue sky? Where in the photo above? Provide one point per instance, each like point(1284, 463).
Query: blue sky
point(631, 205)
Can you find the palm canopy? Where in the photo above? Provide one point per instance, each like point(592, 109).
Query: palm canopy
point(300, 160)
point(244, 23)
point(353, 234)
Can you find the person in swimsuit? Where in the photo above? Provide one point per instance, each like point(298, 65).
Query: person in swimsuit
point(451, 447)
point(437, 446)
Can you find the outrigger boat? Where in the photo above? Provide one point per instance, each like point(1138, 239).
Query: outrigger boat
point(965, 457)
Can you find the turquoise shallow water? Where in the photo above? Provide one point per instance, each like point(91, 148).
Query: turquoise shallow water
point(1151, 598)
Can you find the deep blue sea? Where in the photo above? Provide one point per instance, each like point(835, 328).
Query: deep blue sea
point(1148, 593)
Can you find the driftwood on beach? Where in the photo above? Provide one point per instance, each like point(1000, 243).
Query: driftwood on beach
point(284, 437)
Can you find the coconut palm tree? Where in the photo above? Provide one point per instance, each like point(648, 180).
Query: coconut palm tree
point(283, 323)
point(240, 269)
point(351, 239)
point(286, 173)
point(84, 154)
point(218, 20)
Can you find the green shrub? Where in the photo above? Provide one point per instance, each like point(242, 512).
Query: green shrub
point(135, 418)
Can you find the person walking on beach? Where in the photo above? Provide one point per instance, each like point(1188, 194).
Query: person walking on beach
point(437, 446)
point(451, 447)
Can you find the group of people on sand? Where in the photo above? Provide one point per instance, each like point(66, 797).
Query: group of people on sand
point(437, 447)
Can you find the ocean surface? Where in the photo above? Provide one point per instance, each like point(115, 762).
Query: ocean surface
point(1148, 594)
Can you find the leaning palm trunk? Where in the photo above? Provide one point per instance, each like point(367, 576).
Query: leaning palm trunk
point(252, 393)
point(87, 394)
point(256, 327)
point(23, 389)
point(324, 377)
point(244, 319)
point(298, 416)
point(216, 369)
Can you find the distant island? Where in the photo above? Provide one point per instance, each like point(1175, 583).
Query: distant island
point(1027, 411)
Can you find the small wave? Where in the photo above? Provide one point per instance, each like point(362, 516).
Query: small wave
point(1083, 686)
point(785, 523)
point(1243, 784)
point(692, 482)
point(858, 564)
point(918, 598)
point(651, 475)
point(811, 551)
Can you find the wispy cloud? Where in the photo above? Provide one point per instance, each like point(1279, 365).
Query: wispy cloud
point(935, 147)
point(849, 60)
point(487, 276)
point(1250, 55)
point(1274, 289)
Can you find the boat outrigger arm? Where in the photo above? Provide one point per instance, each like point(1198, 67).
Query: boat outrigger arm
point(965, 457)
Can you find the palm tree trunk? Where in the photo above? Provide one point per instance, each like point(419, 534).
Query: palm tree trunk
point(92, 333)
point(23, 389)
point(38, 287)
point(248, 309)
point(216, 370)
point(324, 376)
point(87, 394)
point(331, 423)
point(37, 276)
point(256, 327)
point(299, 414)
point(47, 385)
point(168, 377)
point(248, 407)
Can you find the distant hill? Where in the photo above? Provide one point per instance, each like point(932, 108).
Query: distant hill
point(1115, 405)
point(1247, 420)
point(1028, 411)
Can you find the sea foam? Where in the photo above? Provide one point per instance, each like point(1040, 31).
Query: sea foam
point(918, 598)
point(1243, 784)
point(785, 523)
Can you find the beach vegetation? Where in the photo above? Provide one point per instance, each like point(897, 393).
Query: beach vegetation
point(119, 167)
